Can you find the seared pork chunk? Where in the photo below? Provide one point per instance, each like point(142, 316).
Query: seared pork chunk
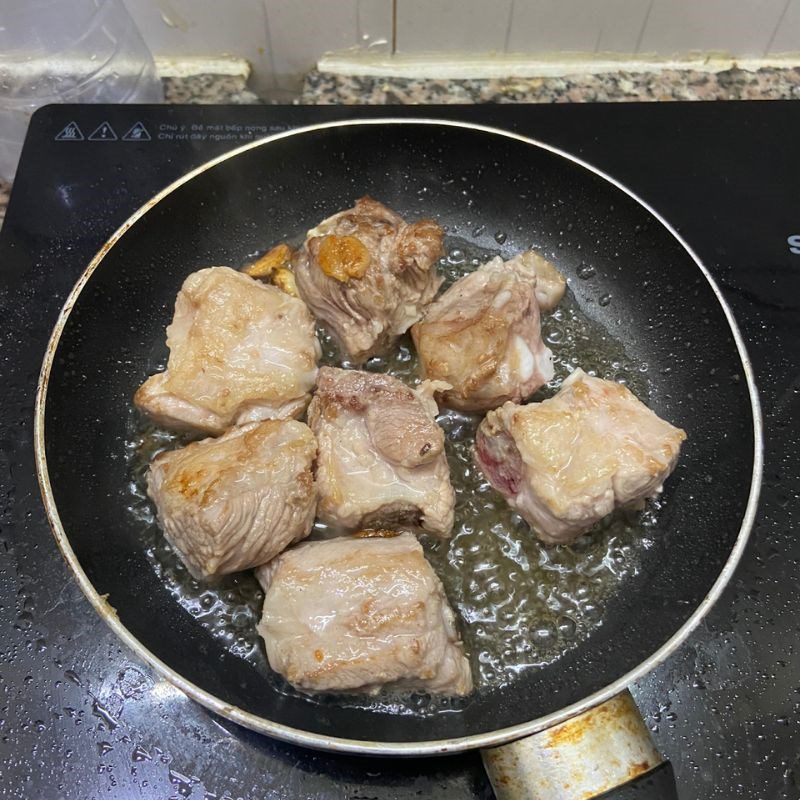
point(381, 453)
point(368, 275)
point(565, 463)
point(550, 283)
point(359, 614)
point(483, 335)
point(235, 502)
point(240, 351)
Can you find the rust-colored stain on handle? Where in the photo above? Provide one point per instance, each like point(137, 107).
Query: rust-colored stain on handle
point(605, 747)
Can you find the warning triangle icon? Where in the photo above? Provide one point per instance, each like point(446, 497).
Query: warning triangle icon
point(70, 133)
point(103, 133)
point(138, 133)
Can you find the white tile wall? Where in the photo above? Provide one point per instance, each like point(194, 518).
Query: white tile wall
point(546, 26)
point(741, 27)
point(301, 30)
point(787, 30)
point(192, 27)
point(374, 21)
point(284, 38)
point(436, 25)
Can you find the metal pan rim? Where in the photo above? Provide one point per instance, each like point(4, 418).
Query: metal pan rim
point(340, 744)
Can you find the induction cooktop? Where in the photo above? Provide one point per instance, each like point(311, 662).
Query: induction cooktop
point(81, 717)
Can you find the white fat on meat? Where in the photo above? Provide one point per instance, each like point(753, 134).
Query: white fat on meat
point(361, 614)
point(367, 275)
point(381, 454)
point(240, 351)
point(567, 462)
point(483, 335)
point(235, 502)
point(550, 283)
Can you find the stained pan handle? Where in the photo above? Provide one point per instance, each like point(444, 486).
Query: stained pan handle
point(605, 752)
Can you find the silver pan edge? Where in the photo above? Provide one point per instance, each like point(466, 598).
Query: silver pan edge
point(343, 745)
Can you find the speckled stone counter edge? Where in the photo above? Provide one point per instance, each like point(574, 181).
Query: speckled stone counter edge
point(618, 86)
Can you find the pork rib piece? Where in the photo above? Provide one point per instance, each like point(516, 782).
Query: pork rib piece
point(567, 462)
point(235, 502)
point(358, 614)
point(483, 335)
point(240, 351)
point(381, 453)
point(368, 275)
point(550, 283)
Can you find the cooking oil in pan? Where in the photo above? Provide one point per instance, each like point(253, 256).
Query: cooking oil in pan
point(520, 604)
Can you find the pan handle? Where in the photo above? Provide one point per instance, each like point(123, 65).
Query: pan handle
point(606, 751)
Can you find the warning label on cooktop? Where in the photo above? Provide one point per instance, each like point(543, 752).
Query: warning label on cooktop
point(171, 132)
point(137, 133)
point(215, 132)
point(70, 133)
point(103, 133)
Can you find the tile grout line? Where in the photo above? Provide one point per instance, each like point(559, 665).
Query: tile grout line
point(268, 32)
point(644, 27)
point(777, 27)
point(509, 25)
point(394, 26)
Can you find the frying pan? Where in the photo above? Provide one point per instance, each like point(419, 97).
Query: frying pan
point(664, 307)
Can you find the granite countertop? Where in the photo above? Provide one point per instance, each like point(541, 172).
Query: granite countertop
point(326, 89)
point(618, 86)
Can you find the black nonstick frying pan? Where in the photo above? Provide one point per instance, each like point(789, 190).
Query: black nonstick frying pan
point(663, 307)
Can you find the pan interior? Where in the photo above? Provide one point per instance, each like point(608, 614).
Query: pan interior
point(494, 193)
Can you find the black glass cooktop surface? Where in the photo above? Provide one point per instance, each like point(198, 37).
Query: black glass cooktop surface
point(81, 717)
